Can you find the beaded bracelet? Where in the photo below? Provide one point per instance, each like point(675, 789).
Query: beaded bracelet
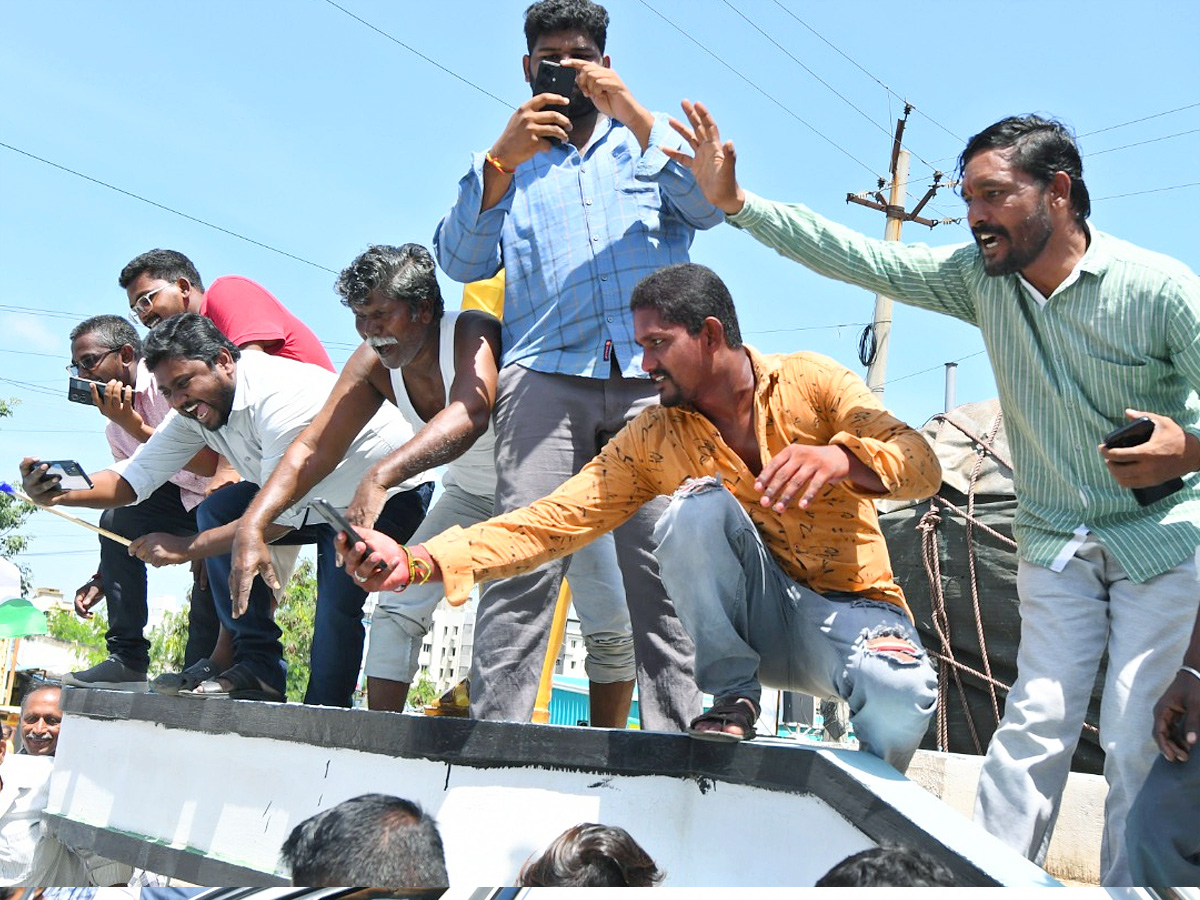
point(1193, 672)
point(498, 165)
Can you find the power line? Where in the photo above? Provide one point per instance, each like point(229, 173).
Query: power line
point(1142, 119)
point(113, 187)
point(793, 58)
point(416, 52)
point(1166, 137)
point(854, 63)
point(935, 368)
point(1174, 187)
point(802, 121)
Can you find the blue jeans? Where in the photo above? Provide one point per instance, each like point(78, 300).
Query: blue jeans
point(753, 625)
point(1162, 833)
point(338, 631)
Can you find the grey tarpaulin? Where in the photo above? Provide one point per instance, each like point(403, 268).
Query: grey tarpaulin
point(971, 444)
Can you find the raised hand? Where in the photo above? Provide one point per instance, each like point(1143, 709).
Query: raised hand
point(713, 163)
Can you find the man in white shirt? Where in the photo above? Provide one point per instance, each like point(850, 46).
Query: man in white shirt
point(249, 408)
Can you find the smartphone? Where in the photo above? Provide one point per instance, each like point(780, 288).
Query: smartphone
point(1133, 434)
point(330, 514)
point(552, 78)
point(71, 476)
point(79, 390)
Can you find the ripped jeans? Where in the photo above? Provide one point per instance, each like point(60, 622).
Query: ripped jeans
point(753, 625)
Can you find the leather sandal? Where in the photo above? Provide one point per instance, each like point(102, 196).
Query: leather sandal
point(242, 685)
point(740, 711)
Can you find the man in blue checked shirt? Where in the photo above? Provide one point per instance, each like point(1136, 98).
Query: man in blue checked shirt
point(576, 203)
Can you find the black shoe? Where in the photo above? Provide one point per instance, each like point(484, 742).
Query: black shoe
point(110, 675)
point(172, 683)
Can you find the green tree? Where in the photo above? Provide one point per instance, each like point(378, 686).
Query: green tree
point(295, 617)
point(86, 634)
point(13, 513)
point(168, 640)
point(422, 693)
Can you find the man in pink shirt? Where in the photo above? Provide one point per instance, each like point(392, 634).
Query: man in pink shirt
point(108, 351)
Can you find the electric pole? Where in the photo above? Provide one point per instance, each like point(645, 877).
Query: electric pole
point(873, 348)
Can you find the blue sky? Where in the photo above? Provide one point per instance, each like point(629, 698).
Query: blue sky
point(304, 129)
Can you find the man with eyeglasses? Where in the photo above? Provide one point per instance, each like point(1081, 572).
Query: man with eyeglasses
point(165, 283)
point(107, 351)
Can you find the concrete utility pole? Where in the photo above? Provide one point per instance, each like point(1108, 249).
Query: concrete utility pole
point(879, 332)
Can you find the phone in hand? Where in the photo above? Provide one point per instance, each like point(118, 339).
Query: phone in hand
point(553, 78)
point(79, 390)
point(1133, 434)
point(71, 476)
point(330, 514)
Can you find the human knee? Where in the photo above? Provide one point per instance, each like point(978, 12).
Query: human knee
point(610, 658)
point(898, 672)
point(395, 646)
point(698, 508)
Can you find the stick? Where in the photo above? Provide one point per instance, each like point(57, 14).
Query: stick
point(103, 532)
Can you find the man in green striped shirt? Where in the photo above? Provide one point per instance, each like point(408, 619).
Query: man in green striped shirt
point(1083, 331)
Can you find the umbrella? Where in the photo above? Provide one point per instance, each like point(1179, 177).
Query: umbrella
point(19, 618)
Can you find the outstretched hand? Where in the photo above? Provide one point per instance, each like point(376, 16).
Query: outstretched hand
point(713, 163)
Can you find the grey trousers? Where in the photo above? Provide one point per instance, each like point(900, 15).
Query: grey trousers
point(547, 428)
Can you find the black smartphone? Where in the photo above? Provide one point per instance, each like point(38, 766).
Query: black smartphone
point(79, 390)
point(1132, 434)
point(71, 476)
point(553, 78)
point(330, 514)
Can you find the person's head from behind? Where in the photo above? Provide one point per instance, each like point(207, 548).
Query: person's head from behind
point(1022, 178)
point(888, 867)
point(683, 315)
point(195, 366)
point(41, 717)
point(374, 839)
point(395, 297)
point(104, 348)
point(159, 284)
point(591, 855)
point(565, 29)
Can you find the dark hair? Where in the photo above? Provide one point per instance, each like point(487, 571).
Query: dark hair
point(187, 336)
point(549, 16)
point(169, 265)
point(113, 333)
point(686, 294)
point(889, 866)
point(374, 839)
point(1040, 148)
point(36, 688)
point(406, 274)
point(590, 855)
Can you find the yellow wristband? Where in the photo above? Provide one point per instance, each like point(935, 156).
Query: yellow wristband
point(499, 166)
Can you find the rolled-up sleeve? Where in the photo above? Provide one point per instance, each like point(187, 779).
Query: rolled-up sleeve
point(169, 449)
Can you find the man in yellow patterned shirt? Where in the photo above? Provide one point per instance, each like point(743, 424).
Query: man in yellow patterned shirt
point(770, 548)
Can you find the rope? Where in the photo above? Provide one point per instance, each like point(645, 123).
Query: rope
point(948, 665)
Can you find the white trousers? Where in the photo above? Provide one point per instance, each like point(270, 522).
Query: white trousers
point(1068, 620)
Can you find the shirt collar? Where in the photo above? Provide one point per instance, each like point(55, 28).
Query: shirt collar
point(766, 369)
point(241, 387)
point(143, 380)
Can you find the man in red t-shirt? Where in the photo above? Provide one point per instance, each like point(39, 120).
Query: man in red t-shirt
point(164, 283)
